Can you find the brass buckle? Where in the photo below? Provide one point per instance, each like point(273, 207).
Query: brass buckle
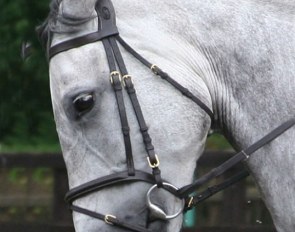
point(190, 203)
point(107, 219)
point(155, 165)
point(153, 68)
point(126, 77)
point(115, 73)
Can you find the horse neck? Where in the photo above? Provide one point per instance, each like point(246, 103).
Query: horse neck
point(253, 65)
point(222, 47)
point(251, 53)
point(237, 64)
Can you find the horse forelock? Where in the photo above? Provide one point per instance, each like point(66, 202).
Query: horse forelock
point(55, 18)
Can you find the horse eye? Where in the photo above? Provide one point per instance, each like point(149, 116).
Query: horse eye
point(84, 103)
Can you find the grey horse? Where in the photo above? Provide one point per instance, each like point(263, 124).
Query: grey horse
point(237, 57)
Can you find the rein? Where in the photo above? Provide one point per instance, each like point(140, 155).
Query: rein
point(120, 80)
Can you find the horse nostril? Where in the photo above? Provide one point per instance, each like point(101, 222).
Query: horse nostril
point(141, 218)
point(84, 103)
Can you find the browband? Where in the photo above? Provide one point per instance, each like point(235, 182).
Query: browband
point(106, 28)
point(80, 41)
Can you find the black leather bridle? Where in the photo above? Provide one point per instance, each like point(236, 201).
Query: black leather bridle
point(107, 32)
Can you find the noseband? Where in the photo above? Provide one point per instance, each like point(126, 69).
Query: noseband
point(107, 32)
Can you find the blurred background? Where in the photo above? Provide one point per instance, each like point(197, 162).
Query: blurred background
point(32, 174)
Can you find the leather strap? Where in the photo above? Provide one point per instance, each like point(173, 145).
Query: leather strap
point(183, 90)
point(80, 41)
point(106, 28)
point(106, 181)
point(138, 112)
point(110, 220)
point(153, 159)
point(241, 156)
point(193, 201)
point(166, 77)
point(117, 86)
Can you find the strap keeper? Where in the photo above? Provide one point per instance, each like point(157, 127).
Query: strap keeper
point(187, 93)
point(108, 219)
point(126, 130)
point(144, 129)
point(155, 69)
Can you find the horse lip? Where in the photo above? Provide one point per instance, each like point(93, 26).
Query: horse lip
point(144, 219)
point(153, 223)
point(140, 218)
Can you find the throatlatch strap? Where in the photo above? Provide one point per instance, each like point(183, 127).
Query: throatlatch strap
point(166, 77)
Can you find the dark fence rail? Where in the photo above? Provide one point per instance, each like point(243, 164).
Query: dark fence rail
point(232, 213)
point(233, 229)
point(27, 160)
point(25, 227)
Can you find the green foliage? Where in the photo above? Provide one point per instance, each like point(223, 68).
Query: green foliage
point(217, 142)
point(25, 107)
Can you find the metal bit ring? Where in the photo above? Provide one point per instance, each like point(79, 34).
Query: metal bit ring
point(156, 211)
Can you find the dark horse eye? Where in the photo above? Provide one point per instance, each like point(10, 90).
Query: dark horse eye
point(84, 103)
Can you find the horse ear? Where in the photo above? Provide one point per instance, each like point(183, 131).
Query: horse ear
point(78, 8)
point(26, 50)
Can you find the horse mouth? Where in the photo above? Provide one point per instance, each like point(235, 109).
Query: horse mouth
point(157, 225)
point(144, 219)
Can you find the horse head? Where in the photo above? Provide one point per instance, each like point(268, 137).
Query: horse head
point(133, 122)
point(89, 117)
